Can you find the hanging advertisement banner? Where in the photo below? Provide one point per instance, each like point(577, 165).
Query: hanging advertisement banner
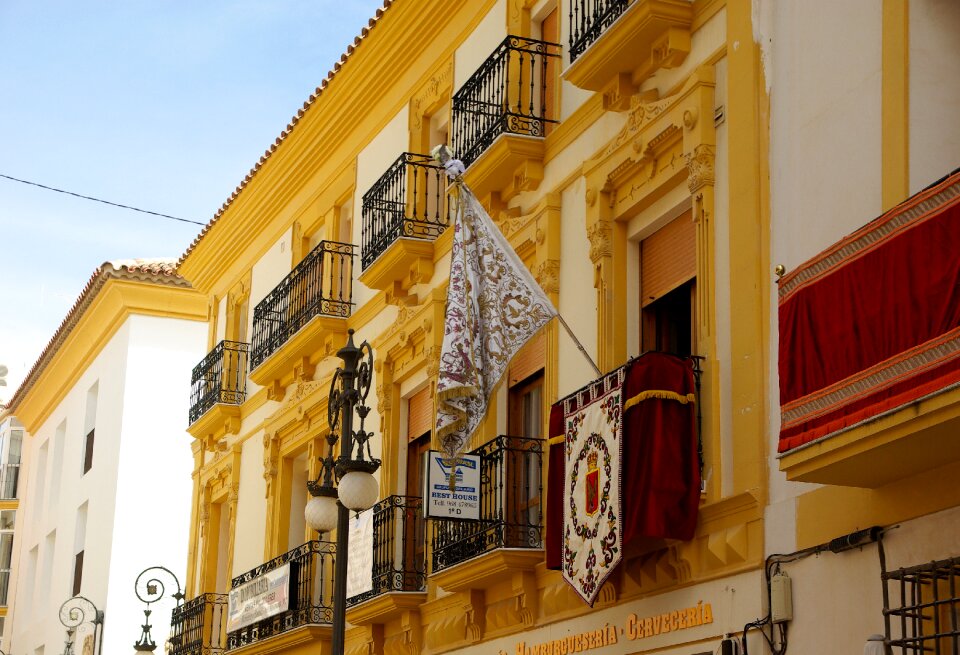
point(262, 597)
point(360, 563)
point(461, 502)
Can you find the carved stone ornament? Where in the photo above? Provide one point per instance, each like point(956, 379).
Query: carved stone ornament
point(591, 196)
point(430, 94)
point(700, 167)
point(548, 275)
point(301, 391)
point(640, 115)
point(600, 235)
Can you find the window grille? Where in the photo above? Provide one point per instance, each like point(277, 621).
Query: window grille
point(922, 608)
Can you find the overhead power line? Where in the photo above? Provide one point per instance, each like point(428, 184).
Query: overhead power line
point(100, 200)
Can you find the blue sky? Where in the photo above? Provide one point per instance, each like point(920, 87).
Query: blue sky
point(156, 104)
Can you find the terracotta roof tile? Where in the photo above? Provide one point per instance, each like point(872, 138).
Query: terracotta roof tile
point(293, 122)
point(157, 270)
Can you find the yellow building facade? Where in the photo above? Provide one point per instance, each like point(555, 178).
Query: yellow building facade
point(622, 149)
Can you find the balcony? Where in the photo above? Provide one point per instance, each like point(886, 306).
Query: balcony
point(589, 19)
point(220, 378)
point(198, 626)
point(622, 42)
point(403, 212)
point(509, 96)
point(306, 310)
point(9, 481)
point(869, 372)
point(510, 516)
point(398, 562)
point(310, 599)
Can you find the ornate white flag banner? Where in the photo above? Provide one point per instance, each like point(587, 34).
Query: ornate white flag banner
point(494, 306)
point(593, 444)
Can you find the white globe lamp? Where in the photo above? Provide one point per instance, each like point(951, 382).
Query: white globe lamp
point(321, 513)
point(358, 490)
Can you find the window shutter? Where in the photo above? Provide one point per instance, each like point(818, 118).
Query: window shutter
point(668, 258)
point(528, 361)
point(419, 414)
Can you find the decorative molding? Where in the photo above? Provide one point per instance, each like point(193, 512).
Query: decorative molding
point(474, 614)
point(643, 111)
point(436, 89)
point(548, 276)
point(600, 235)
point(700, 167)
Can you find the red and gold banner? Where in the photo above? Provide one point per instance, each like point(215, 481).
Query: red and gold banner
point(873, 322)
point(657, 476)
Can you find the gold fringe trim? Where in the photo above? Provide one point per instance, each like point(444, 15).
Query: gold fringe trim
point(658, 394)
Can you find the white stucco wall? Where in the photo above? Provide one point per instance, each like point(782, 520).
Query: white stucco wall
point(154, 485)
point(825, 178)
point(135, 491)
point(934, 90)
point(838, 598)
point(824, 123)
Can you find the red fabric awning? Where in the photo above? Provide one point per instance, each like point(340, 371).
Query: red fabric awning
point(873, 322)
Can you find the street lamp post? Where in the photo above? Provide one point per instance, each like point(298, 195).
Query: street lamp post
point(149, 588)
point(75, 612)
point(356, 489)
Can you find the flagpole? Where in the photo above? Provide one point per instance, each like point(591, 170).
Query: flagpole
point(579, 345)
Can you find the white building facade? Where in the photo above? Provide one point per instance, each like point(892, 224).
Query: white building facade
point(863, 98)
point(109, 461)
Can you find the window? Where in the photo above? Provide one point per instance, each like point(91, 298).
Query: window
point(668, 268)
point(10, 475)
point(79, 539)
point(524, 419)
point(923, 607)
point(77, 572)
point(7, 518)
point(89, 426)
point(299, 474)
point(550, 32)
point(419, 423)
point(668, 322)
point(419, 430)
point(88, 452)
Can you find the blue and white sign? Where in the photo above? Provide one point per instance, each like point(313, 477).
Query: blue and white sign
point(461, 502)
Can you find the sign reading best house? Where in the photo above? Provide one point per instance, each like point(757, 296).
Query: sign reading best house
point(633, 628)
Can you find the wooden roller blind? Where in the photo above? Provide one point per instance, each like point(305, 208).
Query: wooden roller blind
point(528, 361)
point(419, 414)
point(668, 258)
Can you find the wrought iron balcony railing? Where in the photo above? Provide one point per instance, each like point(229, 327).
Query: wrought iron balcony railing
point(399, 547)
point(322, 284)
point(198, 627)
point(589, 19)
point(409, 200)
point(510, 494)
point(310, 596)
point(221, 377)
point(9, 481)
point(507, 94)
